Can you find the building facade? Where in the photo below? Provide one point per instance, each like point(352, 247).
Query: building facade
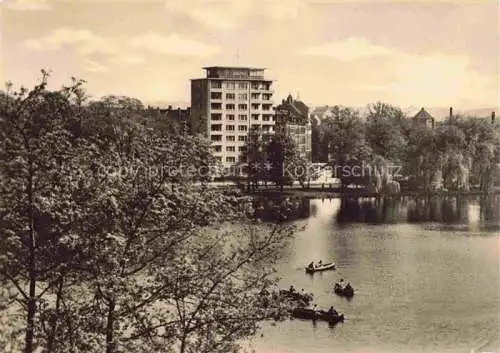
point(292, 118)
point(227, 104)
point(425, 119)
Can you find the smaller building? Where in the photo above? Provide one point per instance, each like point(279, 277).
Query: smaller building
point(424, 118)
point(292, 118)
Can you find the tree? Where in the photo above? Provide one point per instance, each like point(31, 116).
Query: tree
point(384, 133)
point(37, 165)
point(255, 157)
point(108, 241)
point(285, 164)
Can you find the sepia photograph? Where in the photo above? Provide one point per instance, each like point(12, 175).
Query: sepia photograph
point(249, 176)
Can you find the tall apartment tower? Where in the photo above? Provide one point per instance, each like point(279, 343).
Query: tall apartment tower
point(227, 104)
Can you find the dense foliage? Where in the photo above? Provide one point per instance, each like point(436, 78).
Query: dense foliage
point(273, 158)
point(455, 154)
point(110, 239)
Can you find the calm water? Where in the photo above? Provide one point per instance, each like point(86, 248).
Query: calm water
point(427, 274)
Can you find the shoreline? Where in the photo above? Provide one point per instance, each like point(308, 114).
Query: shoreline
point(318, 192)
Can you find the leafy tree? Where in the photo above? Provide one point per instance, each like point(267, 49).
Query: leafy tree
point(255, 157)
point(384, 131)
point(285, 164)
point(37, 165)
point(110, 244)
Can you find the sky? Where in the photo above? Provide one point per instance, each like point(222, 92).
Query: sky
point(406, 53)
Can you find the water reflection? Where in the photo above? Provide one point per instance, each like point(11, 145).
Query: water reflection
point(293, 208)
point(483, 211)
point(427, 281)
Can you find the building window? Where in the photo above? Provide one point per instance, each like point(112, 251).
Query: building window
point(231, 159)
point(230, 149)
point(242, 107)
point(218, 158)
point(242, 138)
point(229, 106)
point(229, 127)
point(242, 149)
point(216, 127)
point(242, 117)
point(217, 148)
point(215, 106)
point(242, 96)
point(231, 138)
point(255, 85)
point(230, 117)
point(215, 95)
point(230, 96)
point(230, 85)
point(255, 95)
point(255, 106)
point(216, 137)
point(215, 84)
point(242, 128)
point(242, 85)
point(266, 117)
point(255, 116)
point(266, 106)
point(216, 116)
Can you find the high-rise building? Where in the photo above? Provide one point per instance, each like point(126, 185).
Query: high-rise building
point(227, 104)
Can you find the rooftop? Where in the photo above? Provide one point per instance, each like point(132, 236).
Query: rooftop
point(233, 68)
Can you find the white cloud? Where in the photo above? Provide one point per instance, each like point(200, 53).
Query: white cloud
point(430, 79)
point(230, 14)
point(347, 50)
point(127, 59)
point(94, 66)
point(28, 5)
point(99, 53)
point(83, 41)
point(173, 45)
point(281, 9)
point(219, 15)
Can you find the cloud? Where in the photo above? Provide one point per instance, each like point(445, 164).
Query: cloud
point(94, 66)
point(219, 15)
point(173, 45)
point(127, 59)
point(28, 5)
point(229, 14)
point(83, 41)
point(431, 79)
point(347, 50)
point(98, 53)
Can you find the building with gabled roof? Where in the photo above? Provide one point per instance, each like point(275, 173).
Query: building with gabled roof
point(424, 118)
point(292, 118)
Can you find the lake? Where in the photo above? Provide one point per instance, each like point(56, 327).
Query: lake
point(426, 272)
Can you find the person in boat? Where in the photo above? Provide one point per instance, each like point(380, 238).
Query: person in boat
point(292, 289)
point(320, 263)
point(311, 265)
point(332, 311)
point(348, 286)
point(340, 283)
